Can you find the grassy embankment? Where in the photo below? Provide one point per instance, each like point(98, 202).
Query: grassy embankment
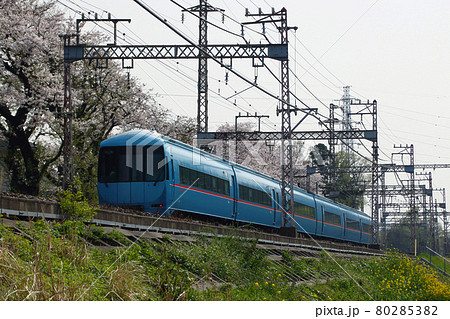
point(43, 261)
point(58, 262)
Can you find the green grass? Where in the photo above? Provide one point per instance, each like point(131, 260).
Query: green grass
point(59, 262)
point(437, 261)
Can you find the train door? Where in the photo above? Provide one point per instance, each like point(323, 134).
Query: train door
point(316, 216)
point(123, 179)
point(149, 172)
point(275, 205)
point(320, 212)
point(171, 170)
point(322, 218)
point(344, 217)
point(137, 186)
point(155, 178)
point(360, 230)
point(234, 195)
point(107, 175)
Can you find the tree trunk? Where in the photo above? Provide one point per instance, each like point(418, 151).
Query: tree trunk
point(24, 179)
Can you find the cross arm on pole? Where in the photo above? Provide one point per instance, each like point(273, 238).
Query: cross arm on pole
point(80, 52)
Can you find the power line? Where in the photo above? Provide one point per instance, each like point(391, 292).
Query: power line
point(208, 22)
point(345, 32)
point(171, 68)
point(312, 66)
point(233, 71)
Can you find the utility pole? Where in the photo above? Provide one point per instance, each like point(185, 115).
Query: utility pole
point(408, 151)
point(361, 110)
point(202, 85)
point(346, 119)
point(68, 122)
point(287, 177)
point(413, 201)
point(433, 214)
point(446, 225)
point(331, 190)
point(279, 18)
point(248, 115)
point(429, 222)
point(73, 53)
point(287, 170)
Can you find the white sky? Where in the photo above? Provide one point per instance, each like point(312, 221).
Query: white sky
point(394, 51)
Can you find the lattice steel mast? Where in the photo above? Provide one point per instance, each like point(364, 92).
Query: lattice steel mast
point(202, 85)
point(68, 123)
point(287, 174)
point(79, 51)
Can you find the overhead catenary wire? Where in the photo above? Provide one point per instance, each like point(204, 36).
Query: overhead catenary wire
point(347, 30)
point(220, 28)
point(320, 121)
point(430, 144)
point(161, 62)
point(313, 67)
point(191, 42)
point(231, 70)
point(172, 69)
point(208, 22)
point(243, 77)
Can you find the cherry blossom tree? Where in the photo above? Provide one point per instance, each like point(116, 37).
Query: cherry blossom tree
point(105, 101)
point(261, 156)
point(30, 87)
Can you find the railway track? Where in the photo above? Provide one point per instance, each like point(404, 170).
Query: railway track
point(137, 225)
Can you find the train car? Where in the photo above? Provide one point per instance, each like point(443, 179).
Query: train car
point(142, 169)
point(256, 199)
point(130, 174)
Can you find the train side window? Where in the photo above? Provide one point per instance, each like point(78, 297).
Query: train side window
point(254, 195)
point(124, 171)
point(204, 181)
point(187, 176)
point(155, 164)
point(352, 224)
point(304, 210)
point(115, 164)
point(366, 228)
point(332, 218)
point(137, 164)
point(107, 168)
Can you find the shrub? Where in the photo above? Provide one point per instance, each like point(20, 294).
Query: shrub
point(74, 204)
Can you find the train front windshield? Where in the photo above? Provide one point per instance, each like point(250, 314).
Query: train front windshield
point(131, 164)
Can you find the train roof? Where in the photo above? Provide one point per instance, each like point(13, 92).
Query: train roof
point(143, 137)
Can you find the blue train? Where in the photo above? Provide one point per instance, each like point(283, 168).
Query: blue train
point(161, 175)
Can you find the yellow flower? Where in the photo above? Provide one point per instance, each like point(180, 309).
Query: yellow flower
point(266, 283)
point(256, 284)
point(264, 298)
point(279, 292)
point(279, 275)
point(273, 285)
